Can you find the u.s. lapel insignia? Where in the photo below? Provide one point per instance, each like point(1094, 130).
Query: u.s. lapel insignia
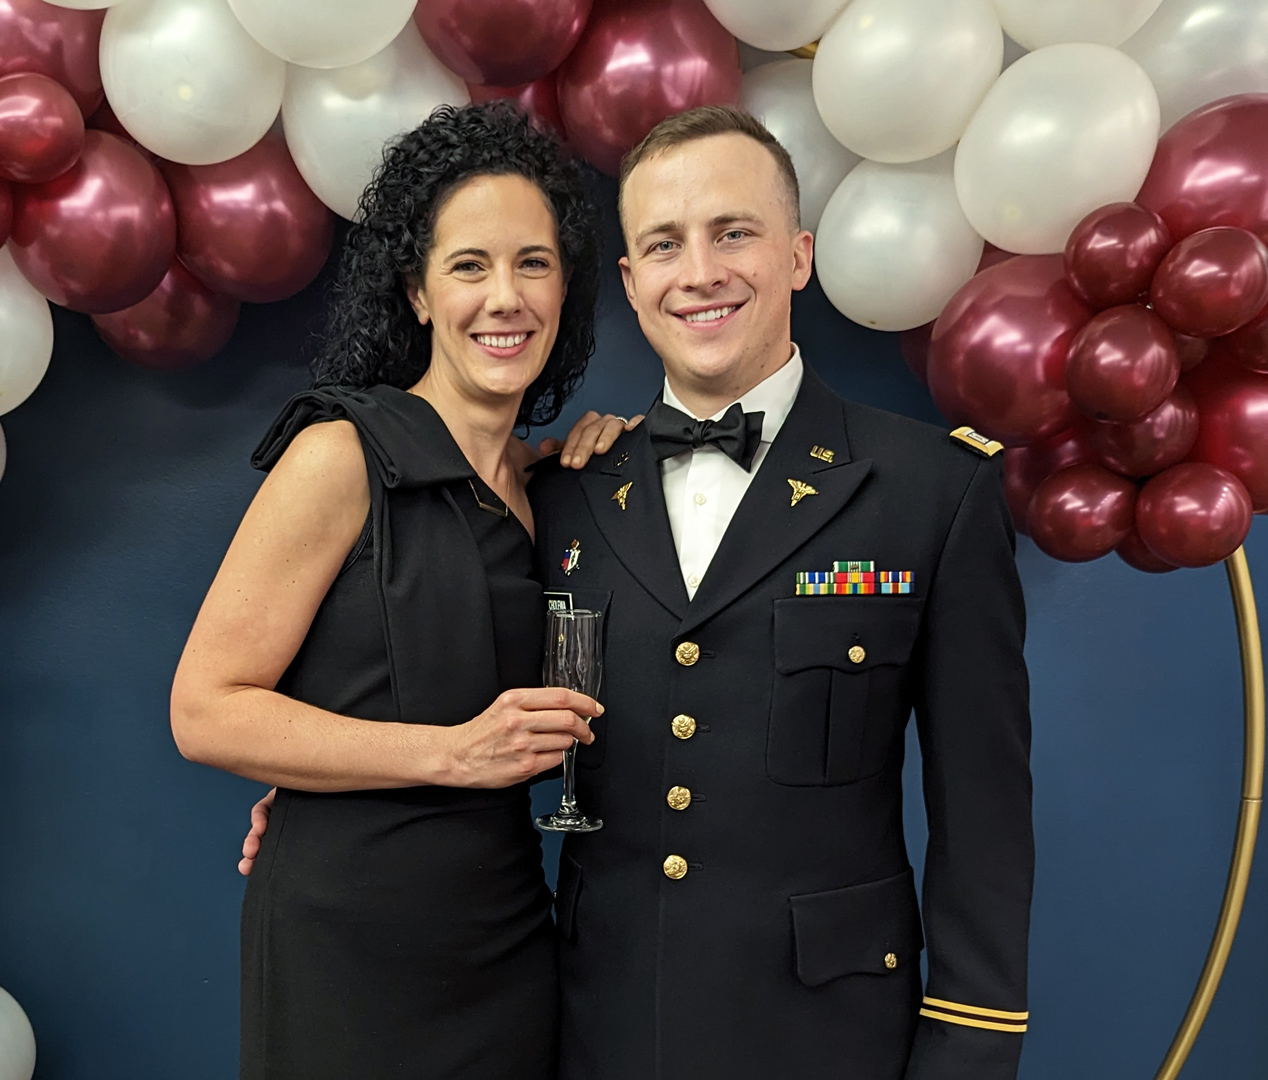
point(800, 489)
point(822, 453)
point(622, 493)
point(620, 461)
point(572, 556)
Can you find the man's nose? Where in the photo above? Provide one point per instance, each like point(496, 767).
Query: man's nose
point(701, 269)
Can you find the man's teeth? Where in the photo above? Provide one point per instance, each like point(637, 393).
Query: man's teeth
point(711, 315)
point(501, 341)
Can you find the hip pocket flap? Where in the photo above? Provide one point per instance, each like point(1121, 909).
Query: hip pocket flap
point(849, 633)
point(873, 928)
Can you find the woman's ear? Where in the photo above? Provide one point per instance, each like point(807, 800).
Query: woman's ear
point(414, 294)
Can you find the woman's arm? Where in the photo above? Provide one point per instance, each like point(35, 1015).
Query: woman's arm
point(287, 552)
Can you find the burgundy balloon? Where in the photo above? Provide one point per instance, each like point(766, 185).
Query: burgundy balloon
point(998, 352)
point(1122, 364)
point(1193, 514)
point(540, 100)
point(1211, 168)
point(6, 212)
point(1112, 253)
point(1212, 282)
point(1026, 467)
point(41, 128)
point(99, 237)
point(638, 62)
point(1192, 350)
point(914, 344)
point(1081, 513)
point(1144, 447)
point(1248, 345)
point(1135, 553)
point(180, 324)
point(54, 41)
point(250, 227)
point(1233, 423)
point(501, 42)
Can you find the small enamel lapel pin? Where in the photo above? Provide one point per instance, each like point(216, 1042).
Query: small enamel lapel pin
point(800, 489)
point(572, 556)
point(622, 493)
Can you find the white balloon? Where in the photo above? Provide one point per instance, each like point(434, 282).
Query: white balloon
point(779, 95)
point(894, 245)
point(17, 1041)
point(26, 341)
point(898, 80)
point(187, 81)
point(1064, 130)
point(323, 35)
point(84, 5)
point(1036, 23)
point(1196, 51)
point(776, 26)
point(338, 122)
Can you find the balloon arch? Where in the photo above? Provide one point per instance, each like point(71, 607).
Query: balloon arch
point(985, 177)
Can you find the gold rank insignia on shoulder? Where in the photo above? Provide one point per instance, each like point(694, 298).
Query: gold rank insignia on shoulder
point(976, 442)
point(800, 489)
point(822, 453)
point(622, 493)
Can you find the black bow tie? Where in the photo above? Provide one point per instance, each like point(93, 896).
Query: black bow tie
point(738, 434)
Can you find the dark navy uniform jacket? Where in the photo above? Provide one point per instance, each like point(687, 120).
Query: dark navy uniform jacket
point(748, 909)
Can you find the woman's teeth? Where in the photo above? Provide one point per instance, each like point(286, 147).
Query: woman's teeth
point(501, 341)
point(711, 315)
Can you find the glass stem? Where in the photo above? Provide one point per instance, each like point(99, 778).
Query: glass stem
point(568, 806)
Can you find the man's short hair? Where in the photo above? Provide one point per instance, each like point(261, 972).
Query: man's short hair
point(701, 123)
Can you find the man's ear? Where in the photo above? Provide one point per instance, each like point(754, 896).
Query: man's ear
point(414, 294)
point(803, 259)
point(627, 279)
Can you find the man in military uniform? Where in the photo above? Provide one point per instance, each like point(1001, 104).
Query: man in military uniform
point(784, 575)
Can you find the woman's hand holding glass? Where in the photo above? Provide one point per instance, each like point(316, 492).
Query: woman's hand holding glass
point(523, 733)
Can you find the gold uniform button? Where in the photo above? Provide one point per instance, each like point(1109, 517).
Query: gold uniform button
point(684, 726)
point(679, 798)
point(687, 653)
point(891, 961)
point(675, 867)
point(857, 654)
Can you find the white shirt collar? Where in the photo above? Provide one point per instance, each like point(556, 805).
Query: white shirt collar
point(773, 397)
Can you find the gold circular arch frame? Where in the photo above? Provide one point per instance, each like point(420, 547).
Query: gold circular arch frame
point(1247, 819)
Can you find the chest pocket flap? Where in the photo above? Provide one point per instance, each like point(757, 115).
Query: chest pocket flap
point(849, 633)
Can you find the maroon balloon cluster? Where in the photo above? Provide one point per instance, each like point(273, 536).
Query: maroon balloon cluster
point(160, 255)
point(1128, 377)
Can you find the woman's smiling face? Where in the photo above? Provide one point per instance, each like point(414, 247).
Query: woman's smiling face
point(493, 288)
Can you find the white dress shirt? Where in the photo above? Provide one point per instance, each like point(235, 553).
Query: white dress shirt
point(703, 487)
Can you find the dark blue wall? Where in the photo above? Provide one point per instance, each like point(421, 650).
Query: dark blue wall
point(119, 895)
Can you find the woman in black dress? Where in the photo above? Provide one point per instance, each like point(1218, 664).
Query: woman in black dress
point(372, 641)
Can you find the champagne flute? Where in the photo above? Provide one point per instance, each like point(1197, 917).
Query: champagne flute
point(574, 660)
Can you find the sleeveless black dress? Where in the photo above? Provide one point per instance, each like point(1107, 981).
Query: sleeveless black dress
point(406, 933)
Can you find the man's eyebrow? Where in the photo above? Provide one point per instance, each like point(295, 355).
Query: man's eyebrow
point(663, 227)
point(733, 216)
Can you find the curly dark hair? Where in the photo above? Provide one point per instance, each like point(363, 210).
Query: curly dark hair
point(372, 334)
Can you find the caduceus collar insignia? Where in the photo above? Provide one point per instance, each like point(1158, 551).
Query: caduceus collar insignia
point(800, 489)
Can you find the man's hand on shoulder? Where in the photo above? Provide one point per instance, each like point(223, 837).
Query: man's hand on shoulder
point(591, 434)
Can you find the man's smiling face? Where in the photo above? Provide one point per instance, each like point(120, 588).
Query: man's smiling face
point(713, 257)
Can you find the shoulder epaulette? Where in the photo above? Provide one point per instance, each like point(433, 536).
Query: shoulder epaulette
point(979, 444)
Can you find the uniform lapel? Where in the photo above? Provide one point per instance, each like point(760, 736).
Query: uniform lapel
point(767, 528)
point(636, 524)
